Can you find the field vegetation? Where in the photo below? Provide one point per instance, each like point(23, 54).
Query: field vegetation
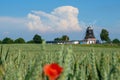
point(80, 62)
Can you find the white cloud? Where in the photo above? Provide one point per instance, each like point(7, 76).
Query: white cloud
point(61, 19)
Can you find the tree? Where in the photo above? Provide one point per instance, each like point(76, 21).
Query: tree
point(65, 38)
point(37, 39)
point(104, 35)
point(19, 40)
point(7, 40)
point(56, 39)
point(0, 41)
point(116, 41)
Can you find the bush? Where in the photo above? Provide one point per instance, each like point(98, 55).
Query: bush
point(31, 41)
point(115, 41)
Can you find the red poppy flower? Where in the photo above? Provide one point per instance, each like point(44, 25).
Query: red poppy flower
point(52, 71)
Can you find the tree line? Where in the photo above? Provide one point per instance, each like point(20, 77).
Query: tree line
point(104, 36)
point(36, 39)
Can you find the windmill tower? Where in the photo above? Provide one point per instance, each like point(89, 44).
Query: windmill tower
point(89, 37)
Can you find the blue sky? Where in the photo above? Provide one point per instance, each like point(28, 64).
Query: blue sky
point(54, 18)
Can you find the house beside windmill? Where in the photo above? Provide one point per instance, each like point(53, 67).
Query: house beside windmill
point(89, 36)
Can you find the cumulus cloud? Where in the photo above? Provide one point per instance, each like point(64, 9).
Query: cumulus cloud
point(61, 19)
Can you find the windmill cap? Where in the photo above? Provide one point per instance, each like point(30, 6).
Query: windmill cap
point(89, 28)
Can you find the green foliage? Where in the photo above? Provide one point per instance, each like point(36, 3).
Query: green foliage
point(57, 39)
point(0, 41)
point(37, 39)
point(25, 62)
point(104, 35)
point(31, 41)
point(63, 38)
point(19, 40)
point(7, 40)
point(116, 41)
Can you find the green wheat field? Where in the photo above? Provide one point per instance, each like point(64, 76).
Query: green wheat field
point(26, 61)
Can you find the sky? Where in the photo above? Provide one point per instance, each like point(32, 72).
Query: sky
point(54, 18)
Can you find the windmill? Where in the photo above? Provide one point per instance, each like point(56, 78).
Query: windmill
point(89, 36)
